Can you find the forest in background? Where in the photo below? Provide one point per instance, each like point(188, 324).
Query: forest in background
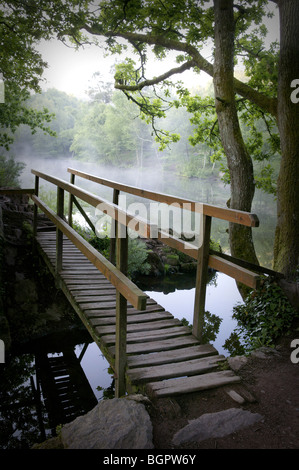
point(106, 129)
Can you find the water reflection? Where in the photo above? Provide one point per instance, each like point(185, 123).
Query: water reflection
point(176, 295)
point(46, 384)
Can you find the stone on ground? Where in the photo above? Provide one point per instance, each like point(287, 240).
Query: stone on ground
point(112, 424)
point(213, 425)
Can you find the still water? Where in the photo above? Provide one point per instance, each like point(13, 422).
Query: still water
point(31, 407)
point(27, 409)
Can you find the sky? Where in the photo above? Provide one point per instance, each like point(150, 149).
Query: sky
point(71, 71)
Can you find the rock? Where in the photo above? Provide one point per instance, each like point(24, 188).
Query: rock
point(236, 397)
point(212, 425)
point(188, 267)
point(157, 267)
point(237, 362)
point(264, 352)
point(172, 260)
point(113, 424)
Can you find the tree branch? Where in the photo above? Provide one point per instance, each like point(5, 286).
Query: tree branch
point(156, 80)
point(265, 102)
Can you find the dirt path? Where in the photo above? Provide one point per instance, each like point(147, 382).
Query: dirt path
point(274, 383)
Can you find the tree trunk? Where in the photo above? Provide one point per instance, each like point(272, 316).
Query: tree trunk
point(239, 161)
point(286, 247)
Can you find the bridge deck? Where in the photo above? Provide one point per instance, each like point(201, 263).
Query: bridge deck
point(164, 358)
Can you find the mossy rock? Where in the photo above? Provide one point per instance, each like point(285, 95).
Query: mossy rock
point(173, 260)
point(188, 267)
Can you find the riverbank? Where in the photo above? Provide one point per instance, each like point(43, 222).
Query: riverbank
point(269, 388)
point(271, 379)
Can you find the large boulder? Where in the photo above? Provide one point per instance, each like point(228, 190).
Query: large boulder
point(119, 423)
point(213, 425)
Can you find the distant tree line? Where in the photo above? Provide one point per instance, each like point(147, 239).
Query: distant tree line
point(106, 129)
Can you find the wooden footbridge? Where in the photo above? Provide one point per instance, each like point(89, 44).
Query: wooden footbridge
point(148, 349)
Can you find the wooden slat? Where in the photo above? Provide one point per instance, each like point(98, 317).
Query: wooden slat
point(109, 319)
point(240, 274)
point(140, 327)
point(191, 384)
point(179, 369)
point(153, 335)
point(151, 309)
point(16, 191)
point(172, 356)
point(167, 344)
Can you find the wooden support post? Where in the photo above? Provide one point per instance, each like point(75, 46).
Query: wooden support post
point(121, 319)
point(201, 279)
point(113, 234)
point(83, 213)
point(36, 189)
point(59, 234)
point(71, 200)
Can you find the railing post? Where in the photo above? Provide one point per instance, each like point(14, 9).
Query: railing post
point(71, 200)
point(59, 234)
point(113, 233)
point(201, 279)
point(36, 189)
point(121, 317)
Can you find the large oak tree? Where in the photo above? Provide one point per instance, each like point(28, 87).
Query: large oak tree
point(184, 27)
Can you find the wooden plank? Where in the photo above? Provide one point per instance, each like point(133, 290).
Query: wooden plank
point(95, 300)
point(131, 312)
point(97, 322)
point(90, 290)
point(71, 200)
point(178, 369)
point(133, 315)
point(153, 335)
point(93, 295)
point(121, 317)
point(16, 191)
point(146, 326)
point(191, 384)
point(102, 305)
point(247, 265)
point(173, 343)
point(201, 280)
point(169, 357)
point(80, 283)
point(59, 244)
point(240, 274)
point(78, 270)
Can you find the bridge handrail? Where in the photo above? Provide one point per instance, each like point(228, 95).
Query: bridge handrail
point(124, 285)
point(231, 215)
point(144, 228)
point(230, 267)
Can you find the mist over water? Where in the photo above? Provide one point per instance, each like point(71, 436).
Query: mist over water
point(155, 178)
